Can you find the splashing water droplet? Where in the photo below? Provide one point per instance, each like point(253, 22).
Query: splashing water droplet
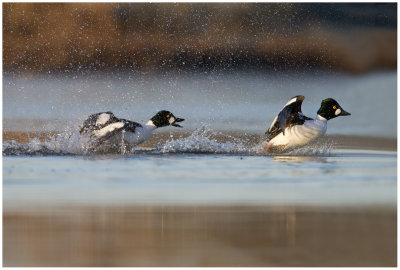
point(202, 141)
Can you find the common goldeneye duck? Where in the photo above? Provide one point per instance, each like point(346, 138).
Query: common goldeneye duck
point(291, 128)
point(104, 127)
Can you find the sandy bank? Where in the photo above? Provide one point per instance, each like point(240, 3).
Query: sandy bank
point(200, 236)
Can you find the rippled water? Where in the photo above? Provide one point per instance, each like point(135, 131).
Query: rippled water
point(196, 170)
point(204, 197)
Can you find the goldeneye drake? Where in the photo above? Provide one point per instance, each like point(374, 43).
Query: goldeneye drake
point(291, 128)
point(105, 128)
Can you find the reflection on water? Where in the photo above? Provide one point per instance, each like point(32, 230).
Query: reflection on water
point(352, 177)
point(300, 159)
point(186, 209)
point(200, 236)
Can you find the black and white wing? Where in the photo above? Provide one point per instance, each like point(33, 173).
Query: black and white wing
point(98, 121)
point(105, 124)
point(115, 129)
point(290, 115)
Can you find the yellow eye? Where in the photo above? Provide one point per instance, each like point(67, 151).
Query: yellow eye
point(334, 107)
point(168, 116)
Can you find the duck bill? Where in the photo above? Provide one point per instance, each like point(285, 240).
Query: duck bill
point(344, 113)
point(177, 120)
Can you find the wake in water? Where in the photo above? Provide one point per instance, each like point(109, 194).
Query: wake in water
point(204, 141)
point(66, 143)
point(201, 141)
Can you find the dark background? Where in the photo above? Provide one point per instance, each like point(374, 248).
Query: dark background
point(65, 37)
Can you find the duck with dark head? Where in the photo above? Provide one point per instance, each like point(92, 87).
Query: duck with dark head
point(105, 127)
point(291, 128)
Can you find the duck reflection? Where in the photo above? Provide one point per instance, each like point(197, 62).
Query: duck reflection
point(319, 159)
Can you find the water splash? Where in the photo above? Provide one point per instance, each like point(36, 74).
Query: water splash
point(206, 141)
point(317, 148)
point(201, 141)
point(69, 142)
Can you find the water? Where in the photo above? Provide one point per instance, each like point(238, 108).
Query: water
point(242, 101)
point(206, 196)
point(198, 168)
point(340, 178)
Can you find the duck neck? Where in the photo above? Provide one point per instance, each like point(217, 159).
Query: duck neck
point(150, 125)
point(321, 118)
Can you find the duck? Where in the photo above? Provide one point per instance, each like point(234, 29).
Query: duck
point(291, 128)
point(105, 128)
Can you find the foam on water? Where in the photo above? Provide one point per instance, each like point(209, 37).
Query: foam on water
point(65, 143)
point(201, 141)
point(316, 149)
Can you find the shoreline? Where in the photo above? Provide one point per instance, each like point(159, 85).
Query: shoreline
point(162, 236)
point(339, 141)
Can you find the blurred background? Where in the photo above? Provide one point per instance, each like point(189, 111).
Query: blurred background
point(227, 67)
point(353, 37)
point(63, 61)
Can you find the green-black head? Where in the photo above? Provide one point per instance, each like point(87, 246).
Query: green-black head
point(165, 118)
point(330, 109)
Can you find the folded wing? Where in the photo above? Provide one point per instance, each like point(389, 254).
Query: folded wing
point(115, 129)
point(105, 125)
point(98, 121)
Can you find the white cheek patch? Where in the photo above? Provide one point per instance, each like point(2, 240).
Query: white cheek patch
point(103, 118)
point(338, 111)
point(171, 120)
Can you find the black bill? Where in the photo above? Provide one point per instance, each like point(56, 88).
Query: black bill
point(343, 113)
point(177, 120)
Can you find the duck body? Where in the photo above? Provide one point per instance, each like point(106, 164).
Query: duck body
point(300, 135)
point(291, 128)
point(107, 130)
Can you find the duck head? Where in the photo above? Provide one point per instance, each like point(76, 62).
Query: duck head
point(330, 109)
point(165, 118)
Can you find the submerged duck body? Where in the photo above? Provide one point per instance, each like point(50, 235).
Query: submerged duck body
point(106, 128)
point(291, 128)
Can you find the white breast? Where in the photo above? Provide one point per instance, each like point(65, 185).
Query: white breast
point(137, 137)
point(300, 135)
point(133, 138)
point(140, 135)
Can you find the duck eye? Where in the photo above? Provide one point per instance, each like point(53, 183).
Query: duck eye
point(334, 107)
point(168, 116)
